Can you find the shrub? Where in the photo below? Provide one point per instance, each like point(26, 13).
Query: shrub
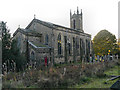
point(6, 84)
point(84, 80)
point(100, 73)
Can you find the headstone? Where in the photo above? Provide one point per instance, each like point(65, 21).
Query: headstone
point(64, 71)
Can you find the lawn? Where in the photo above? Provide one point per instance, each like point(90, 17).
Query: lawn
point(100, 82)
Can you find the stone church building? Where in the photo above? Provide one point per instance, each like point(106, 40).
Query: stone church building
point(59, 44)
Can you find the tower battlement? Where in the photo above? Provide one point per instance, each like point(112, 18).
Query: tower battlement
point(76, 21)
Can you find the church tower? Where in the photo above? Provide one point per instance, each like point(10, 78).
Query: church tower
point(76, 20)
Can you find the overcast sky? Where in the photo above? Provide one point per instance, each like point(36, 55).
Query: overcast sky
point(97, 14)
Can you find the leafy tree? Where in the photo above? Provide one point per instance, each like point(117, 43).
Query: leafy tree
point(10, 51)
point(6, 42)
point(18, 58)
point(119, 46)
point(105, 42)
point(119, 43)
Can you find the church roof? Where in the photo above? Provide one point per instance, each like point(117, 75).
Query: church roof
point(40, 45)
point(27, 32)
point(47, 24)
point(55, 26)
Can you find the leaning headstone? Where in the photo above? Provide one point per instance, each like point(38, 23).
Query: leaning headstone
point(64, 71)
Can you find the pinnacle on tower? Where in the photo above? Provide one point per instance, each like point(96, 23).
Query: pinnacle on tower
point(34, 16)
point(70, 13)
point(81, 11)
point(77, 11)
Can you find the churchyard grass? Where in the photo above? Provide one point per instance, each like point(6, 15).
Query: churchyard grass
point(96, 82)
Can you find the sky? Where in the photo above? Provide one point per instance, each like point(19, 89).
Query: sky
point(97, 14)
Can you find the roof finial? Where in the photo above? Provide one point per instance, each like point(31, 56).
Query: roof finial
point(18, 26)
point(74, 12)
point(81, 11)
point(77, 10)
point(34, 16)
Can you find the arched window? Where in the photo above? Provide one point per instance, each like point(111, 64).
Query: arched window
point(59, 44)
point(32, 55)
point(69, 49)
point(19, 42)
point(88, 46)
point(41, 39)
point(83, 47)
point(77, 46)
point(77, 43)
point(74, 24)
point(46, 39)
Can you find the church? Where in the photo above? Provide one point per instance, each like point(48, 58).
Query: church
point(57, 43)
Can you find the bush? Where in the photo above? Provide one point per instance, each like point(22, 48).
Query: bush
point(100, 73)
point(6, 85)
point(12, 84)
point(84, 79)
point(63, 83)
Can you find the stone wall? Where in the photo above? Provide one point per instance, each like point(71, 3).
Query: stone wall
point(53, 35)
point(53, 42)
point(21, 41)
point(40, 54)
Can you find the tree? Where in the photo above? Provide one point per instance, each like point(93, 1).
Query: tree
point(17, 57)
point(119, 46)
point(10, 51)
point(6, 42)
point(105, 42)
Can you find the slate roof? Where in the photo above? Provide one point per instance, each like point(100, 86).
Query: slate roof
point(47, 24)
point(27, 32)
point(38, 46)
point(51, 25)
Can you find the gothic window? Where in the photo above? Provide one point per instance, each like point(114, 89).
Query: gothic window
point(81, 51)
point(32, 55)
point(34, 26)
point(74, 24)
point(89, 46)
point(83, 46)
point(59, 44)
point(77, 45)
point(40, 38)
point(73, 45)
point(46, 39)
point(74, 49)
point(87, 50)
point(19, 42)
point(73, 42)
point(69, 49)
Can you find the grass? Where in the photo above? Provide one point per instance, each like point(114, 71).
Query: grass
point(64, 64)
point(100, 82)
point(112, 71)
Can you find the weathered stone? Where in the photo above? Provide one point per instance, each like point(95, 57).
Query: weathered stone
point(42, 37)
